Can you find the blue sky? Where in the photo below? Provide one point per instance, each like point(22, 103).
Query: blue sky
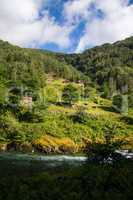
point(56, 11)
point(65, 25)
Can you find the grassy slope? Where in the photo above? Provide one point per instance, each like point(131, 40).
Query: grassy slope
point(59, 133)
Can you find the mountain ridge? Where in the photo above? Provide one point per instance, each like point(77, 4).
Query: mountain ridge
point(97, 65)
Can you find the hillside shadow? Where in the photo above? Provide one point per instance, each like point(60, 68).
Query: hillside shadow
point(108, 109)
point(89, 181)
point(127, 119)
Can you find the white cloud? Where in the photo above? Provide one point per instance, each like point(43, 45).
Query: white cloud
point(21, 24)
point(109, 6)
point(55, 33)
point(74, 10)
point(117, 24)
point(19, 11)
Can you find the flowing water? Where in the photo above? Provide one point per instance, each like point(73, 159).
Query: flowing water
point(28, 164)
point(17, 163)
point(53, 160)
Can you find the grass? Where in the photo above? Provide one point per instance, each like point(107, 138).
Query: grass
point(58, 124)
point(49, 144)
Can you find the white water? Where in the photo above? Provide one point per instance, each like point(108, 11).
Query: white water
point(53, 160)
point(126, 154)
point(19, 156)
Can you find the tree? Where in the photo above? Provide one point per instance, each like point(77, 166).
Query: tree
point(106, 152)
point(130, 100)
point(120, 103)
point(3, 93)
point(70, 94)
point(124, 108)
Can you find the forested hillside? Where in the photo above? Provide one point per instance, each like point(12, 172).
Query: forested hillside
point(110, 65)
point(57, 103)
point(28, 66)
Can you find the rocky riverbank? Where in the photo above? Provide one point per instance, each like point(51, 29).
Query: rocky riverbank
point(27, 147)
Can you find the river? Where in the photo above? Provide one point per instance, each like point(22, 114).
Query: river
point(47, 160)
point(28, 164)
point(18, 163)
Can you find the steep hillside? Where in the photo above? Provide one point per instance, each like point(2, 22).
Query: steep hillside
point(28, 66)
point(109, 65)
point(49, 104)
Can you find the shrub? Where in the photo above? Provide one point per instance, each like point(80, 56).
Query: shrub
point(10, 129)
point(34, 116)
point(106, 151)
point(80, 117)
point(70, 94)
point(120, 103)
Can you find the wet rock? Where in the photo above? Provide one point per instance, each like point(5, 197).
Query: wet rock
point(22, 147)
point(13, 146)
point(27, 147)
point(66, 149)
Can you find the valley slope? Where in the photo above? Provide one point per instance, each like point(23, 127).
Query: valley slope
point(37, 113)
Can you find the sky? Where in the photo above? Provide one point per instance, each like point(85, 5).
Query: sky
point(69, 26)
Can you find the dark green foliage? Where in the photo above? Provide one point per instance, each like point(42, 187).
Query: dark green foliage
point(3, 93)
point(106, 152)
point(105, 90)
point(80, 117)
point(70, 94)
point(120, 103)
point(127, 119)
point(92, 181)
point(109, 64)
point(117, 102)
point(130, 100)
point(33, 116)
point(27, 67)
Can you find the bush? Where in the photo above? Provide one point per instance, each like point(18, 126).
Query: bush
point(10, 129)
point(31, 116)
point(70, 94)
point(80, 117)
point(106, 151)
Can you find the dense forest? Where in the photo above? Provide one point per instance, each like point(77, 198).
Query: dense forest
point(28, 66)
point(110, 66)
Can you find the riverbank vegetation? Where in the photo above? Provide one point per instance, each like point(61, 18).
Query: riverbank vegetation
point(90, 181)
